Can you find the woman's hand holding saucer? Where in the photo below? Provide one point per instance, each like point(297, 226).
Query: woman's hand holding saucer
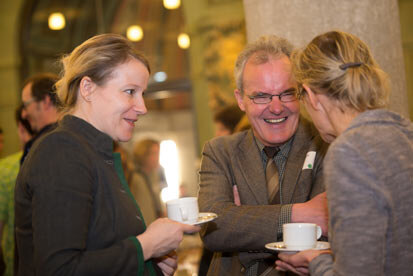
point(163, 236)
point(298, 263)
point(168, 263)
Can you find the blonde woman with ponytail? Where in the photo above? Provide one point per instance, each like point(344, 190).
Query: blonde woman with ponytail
point(368, 167)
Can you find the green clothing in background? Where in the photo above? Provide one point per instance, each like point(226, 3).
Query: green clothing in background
point(9, 168)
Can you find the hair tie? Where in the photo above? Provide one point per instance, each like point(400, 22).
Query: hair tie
point(344, 66)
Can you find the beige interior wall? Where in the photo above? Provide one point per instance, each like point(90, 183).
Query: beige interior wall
point(9, 66)
point(406, 20)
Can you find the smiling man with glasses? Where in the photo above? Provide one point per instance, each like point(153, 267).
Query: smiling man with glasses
point(285, 97)
point(40, 105)
point(259, 179)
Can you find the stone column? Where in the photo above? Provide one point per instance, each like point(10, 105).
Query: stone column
point(375, 21)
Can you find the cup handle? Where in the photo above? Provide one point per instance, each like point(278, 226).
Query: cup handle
point(184, 214)
point(319, 232)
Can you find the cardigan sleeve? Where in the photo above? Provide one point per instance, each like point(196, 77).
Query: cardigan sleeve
point(357, 209)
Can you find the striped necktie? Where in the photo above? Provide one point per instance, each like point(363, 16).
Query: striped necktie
point(271, 172)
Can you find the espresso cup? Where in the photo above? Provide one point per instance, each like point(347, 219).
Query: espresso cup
point(301, 236)
point(184, 209)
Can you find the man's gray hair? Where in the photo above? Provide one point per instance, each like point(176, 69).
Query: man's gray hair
point(263, 49)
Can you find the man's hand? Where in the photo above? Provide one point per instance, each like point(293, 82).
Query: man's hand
point(312, 211)
point(297, 263)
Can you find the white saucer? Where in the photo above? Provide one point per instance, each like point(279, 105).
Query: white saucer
point(280, 247)
point(203, 218)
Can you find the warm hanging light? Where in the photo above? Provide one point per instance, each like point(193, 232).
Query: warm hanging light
point(134, 33)
point(56, 21)
point(171, 4)
point(184, 41)
point(169, 160)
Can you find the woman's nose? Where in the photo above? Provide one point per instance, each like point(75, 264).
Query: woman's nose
point(139, 105)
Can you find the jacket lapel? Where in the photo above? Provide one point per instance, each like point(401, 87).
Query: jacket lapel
point(251, 169)
point(295, 161)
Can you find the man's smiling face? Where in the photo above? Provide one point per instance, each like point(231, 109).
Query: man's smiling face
point(276, 122)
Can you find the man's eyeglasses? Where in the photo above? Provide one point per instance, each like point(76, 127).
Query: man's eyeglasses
point(27, 103)
point(285, 97)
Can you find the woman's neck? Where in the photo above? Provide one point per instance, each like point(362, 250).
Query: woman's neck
point(342, 118)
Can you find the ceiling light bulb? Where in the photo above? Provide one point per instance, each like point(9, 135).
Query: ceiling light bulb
point(134, 33)
point(171, 4)
point(56, 21)
point(184, 41)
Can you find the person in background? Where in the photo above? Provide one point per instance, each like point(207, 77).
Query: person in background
point(40, 106)
point(226, 119)
point(243, 124)
point(368, 167)
point(75, 214)
point(293, 191)
point(9, 168)
point(148, 179)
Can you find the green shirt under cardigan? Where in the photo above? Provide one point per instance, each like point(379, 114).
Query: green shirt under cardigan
point(74, 212)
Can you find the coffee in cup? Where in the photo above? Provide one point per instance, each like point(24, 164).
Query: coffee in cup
point(301, 236)
point(184, 209)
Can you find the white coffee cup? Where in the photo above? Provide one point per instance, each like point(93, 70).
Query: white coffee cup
point(301, 236)
point(183, 209)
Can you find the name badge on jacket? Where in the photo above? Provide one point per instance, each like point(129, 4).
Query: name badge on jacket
point(309, 160)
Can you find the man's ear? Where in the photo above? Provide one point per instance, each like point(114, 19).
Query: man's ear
point(86, 88)
point(312, 98)
point(47, 102)
point(240, 99)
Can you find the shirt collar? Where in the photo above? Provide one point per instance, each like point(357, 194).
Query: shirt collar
point(99, 140)
point(284, 148)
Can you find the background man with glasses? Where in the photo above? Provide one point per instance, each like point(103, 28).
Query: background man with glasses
point(268, 191)
point(40, 105)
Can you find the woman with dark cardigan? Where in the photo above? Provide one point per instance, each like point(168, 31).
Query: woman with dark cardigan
point(75, 214)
